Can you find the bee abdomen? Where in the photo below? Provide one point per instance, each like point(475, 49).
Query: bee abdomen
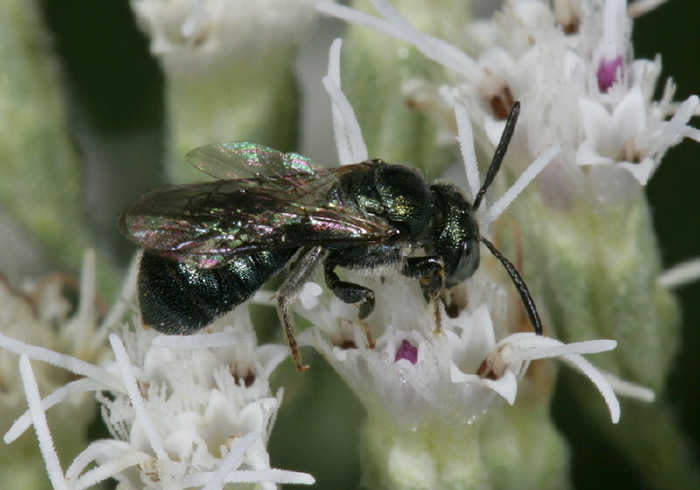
point(179, 299)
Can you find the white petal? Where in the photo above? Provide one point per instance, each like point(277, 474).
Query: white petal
point(506, 386)
point(641, 171)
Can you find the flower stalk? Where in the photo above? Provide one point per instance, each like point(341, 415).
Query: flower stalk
point(40, 190)
point(395, 458)
point(228, 71)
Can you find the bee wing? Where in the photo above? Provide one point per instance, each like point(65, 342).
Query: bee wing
point(243, 160)
point(207, 223)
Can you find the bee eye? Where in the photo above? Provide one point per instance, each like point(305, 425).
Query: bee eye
point(467, 263)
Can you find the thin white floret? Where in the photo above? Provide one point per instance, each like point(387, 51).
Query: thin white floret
point(348, 134)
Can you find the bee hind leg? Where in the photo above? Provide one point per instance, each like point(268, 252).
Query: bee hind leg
point(299, 272)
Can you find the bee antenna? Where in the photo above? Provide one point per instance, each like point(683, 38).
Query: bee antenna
point(499, 154)
point(519, 285)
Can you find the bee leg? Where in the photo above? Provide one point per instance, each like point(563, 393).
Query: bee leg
point(299, 271)
point(431, 273)
point(352, 293)
point(371, 343)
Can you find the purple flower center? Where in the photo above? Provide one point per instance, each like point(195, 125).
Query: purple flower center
point(407, 351)
point(607, 73)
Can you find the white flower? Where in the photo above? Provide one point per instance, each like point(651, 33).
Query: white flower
point(414, 374)
point(196, 35)
point(191, 411)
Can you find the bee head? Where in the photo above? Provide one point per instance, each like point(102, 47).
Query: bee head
point(456, 238)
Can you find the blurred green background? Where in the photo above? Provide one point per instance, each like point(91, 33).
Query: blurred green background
point(114, 93)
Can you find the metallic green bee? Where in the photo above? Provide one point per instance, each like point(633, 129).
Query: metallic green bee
point(210, 246)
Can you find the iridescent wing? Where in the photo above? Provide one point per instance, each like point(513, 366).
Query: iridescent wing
point(204, 224)
point(244, 160)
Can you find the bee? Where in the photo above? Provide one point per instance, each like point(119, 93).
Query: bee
point(210, 246)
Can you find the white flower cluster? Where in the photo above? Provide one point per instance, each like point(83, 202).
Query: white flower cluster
point(571, 66)
point(184, 412)
point(419, 377)
point(412, 372)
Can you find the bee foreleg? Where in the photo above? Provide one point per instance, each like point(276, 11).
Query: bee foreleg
point(431, 273)
point(299, 272)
